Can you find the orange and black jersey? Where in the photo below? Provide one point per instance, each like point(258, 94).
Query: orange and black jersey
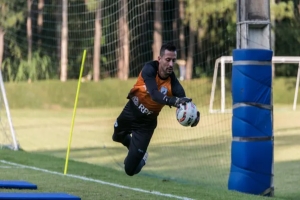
point(151, 93)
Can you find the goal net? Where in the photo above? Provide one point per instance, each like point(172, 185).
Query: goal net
point(45, 41)
point(120, 37)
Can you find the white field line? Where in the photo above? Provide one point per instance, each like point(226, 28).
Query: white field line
point(9, 167)
point(96, 181)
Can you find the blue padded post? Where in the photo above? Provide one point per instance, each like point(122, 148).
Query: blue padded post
point(37, 196)
point(12, 184)
point(251, 168)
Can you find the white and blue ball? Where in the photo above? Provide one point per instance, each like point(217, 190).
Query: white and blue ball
point(186, 114)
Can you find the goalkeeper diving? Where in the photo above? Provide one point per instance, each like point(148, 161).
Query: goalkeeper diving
point(156, 86)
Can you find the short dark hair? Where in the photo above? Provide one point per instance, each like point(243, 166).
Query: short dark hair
point(167, 46)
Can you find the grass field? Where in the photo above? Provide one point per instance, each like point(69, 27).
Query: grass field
point(183, 162)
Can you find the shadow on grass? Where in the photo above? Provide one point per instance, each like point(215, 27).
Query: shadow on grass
point(192, 162)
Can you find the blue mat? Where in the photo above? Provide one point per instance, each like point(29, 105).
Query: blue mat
point(11, 184)
point(39, 196)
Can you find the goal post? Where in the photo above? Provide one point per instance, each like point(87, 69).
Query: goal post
point(7, 136)
point(222, 61)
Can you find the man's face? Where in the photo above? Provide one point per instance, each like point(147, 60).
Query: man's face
point(166, 62)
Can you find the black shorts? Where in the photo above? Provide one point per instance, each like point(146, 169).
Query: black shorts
point(141, 126)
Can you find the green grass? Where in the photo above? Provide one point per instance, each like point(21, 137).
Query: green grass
point(112, 93)
point(89, 190)
point(182, 161)
point(194, 158)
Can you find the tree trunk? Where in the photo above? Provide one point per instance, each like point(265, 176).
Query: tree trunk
point(181, 31)
point(29, 30)
point(64, 42)
point(97, 44)
point(190, 58)
point(2, 33)
point(175, 24)
point(123, 62)
point(40, 21)
point(157, 35)
point(126, 47)
point(58, 17)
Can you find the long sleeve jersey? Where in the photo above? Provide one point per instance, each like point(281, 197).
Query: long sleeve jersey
point(151, 93)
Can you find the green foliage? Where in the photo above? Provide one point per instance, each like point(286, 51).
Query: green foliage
point(22, 70)
point(92, 5)
point(283, 9)
point(287, 35)
point(11, 13)
point(213, 20)
point(198, 12)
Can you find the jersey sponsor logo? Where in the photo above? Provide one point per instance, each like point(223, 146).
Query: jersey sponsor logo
point(144, 110)
point(141, 107)
point(163, 90)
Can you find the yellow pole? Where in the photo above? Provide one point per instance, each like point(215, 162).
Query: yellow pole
point(74, 111)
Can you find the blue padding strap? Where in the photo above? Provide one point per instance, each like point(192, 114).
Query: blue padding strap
point(252, 54)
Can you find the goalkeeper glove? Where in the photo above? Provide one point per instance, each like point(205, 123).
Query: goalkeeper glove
point(197, 120)
point(176, 101)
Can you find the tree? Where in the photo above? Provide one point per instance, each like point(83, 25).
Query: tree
point(40, 21)
point(58, 28)
point(123, 49)
point(11, 14)
point(97, 43)
point(29, 35)
point(64, 42)
point(181, 30)
point(29, 30)
point(191, 48)
point(2, 33)
point(157, 34)
point(286, 17)
point(297, 8)
point(198, 15)
point(175, 24)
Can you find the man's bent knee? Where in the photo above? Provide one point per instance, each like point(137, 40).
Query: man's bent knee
point(116, 138)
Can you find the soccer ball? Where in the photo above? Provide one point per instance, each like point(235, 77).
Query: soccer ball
point(186, 114)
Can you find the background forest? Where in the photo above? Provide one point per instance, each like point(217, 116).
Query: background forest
point(44, 39)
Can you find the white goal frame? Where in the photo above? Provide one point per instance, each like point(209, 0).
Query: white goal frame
point(220, 62)
point(14, 145)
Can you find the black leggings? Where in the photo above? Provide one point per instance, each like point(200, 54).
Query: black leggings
point(141, 127)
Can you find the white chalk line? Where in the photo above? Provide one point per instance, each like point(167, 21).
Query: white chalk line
point(9, 167)
point(97, 181)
